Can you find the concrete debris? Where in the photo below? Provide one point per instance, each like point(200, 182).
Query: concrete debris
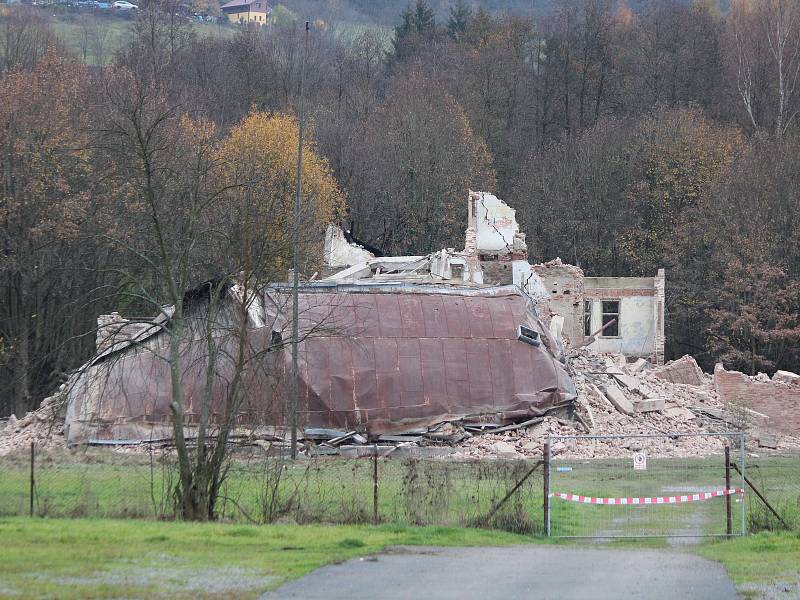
point(679, 414)
point(649, 404)
point(628, 381)
point(618, 399)
point(636, 366)
point(766, 440)
point(687, 409)
point(505, 450)
point(786, 377)
point(44, 427)
point(684, 370)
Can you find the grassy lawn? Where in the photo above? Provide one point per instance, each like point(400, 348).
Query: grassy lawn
point(760, 562)
point(88, 558)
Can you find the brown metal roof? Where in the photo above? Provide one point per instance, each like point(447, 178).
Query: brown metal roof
point(381, 359)
point(421, 358)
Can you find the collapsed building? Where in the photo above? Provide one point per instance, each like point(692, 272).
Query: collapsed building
point(623, 315)
point(376, 358)
point(389, 344)
point(429, 349)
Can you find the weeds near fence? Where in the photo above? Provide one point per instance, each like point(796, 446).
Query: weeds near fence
point(265, 486)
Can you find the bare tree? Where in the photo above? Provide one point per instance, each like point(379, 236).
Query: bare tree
point(207, 221)
point(24, 38)
point(767, 41)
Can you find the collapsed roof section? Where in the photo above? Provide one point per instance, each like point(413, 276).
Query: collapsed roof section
point(377, 358)
point(418, 355)
point(494, 253)
point(388, 344)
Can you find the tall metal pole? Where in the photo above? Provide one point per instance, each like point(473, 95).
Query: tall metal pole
point(728, 513)
point(294, 379)
point(546, 478)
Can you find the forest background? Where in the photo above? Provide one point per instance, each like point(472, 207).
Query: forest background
point(628, 136)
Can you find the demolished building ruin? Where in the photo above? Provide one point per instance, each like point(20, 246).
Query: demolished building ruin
point(431, 349)
point(390, 358)
point(418, 340)
point(622, 315)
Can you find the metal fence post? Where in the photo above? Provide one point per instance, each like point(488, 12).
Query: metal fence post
point(546, 477)
point(32, 479)
point(742, 480)
point(728, 515)
point(375, 485)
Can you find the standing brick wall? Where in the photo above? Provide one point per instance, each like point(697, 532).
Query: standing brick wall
point(781, 402)
point(566, 287)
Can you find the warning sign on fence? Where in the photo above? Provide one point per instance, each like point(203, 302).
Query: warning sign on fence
point(640, 461)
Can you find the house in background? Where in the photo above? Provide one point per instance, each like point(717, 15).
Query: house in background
point(248, 11)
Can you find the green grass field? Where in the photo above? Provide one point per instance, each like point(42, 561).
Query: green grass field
point(85, 558)
point(104, 558)
point(105, 484)
point(760, 562)
point(95, 36)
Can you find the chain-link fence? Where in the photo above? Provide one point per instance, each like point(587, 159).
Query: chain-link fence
point(265, 489)
point(637, 491)
point(773, 501)
point(262, 488)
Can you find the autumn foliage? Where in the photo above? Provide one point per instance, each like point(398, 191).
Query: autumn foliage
point(629, 136)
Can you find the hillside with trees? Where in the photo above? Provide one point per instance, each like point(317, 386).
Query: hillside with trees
point(628, 136)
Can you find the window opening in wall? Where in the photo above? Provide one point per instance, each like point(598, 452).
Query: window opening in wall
point(587, 318)
point(457, 271)
point(528, 335)
point(611, 313)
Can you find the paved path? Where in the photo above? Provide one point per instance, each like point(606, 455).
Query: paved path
point(529, 572)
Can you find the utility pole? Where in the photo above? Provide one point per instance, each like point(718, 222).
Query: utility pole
point(293, 381)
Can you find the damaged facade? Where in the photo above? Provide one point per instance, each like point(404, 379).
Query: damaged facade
point(575, 308)
point(623, 315)
point(476, 335)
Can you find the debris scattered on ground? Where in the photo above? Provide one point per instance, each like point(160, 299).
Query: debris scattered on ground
point(42, 426)
point(614, 398)
point(615, 404)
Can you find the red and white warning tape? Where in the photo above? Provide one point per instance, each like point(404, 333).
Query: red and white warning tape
point(656, 500)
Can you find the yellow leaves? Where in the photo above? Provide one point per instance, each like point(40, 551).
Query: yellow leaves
point(259, 159)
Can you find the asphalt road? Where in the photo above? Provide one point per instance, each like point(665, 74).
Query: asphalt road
point(536, 572)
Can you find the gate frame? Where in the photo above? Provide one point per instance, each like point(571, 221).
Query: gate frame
point(740, 435)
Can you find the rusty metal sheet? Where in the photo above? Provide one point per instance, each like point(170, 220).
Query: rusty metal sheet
point(384, 361)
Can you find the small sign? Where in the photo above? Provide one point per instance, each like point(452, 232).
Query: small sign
point(564, 469)
point(640, 461)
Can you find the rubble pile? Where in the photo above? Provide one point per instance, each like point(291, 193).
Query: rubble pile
point(44, 427)
point(615, 398)
point(620, 398)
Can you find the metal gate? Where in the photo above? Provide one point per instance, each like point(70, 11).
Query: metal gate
point(654, 485)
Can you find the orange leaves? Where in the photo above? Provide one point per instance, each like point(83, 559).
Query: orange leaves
point(45, 165)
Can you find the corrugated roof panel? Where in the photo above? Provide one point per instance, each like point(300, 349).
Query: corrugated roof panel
point(434, 317)
point(411, 316)
point(479, 320)
point(457, 317)
point(388, 306)
point(395, 359)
